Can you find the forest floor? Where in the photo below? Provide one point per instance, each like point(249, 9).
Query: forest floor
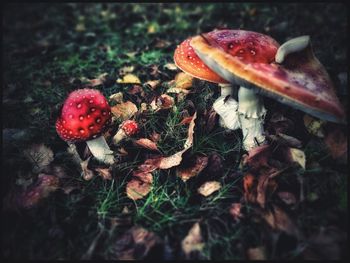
point(126, 50)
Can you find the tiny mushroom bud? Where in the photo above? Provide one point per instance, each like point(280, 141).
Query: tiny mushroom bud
point(187, 60)
point(85, 115)
point(127, 129)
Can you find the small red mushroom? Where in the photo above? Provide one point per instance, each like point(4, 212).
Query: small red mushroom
point(85, 115)
point(187, 60)
point(127, 129)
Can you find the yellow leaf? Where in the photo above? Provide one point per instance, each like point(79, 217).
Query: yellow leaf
point(129, 79)
point(314, 126)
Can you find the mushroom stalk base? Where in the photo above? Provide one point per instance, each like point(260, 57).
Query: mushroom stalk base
point(119, 136)
point(100, 150)
point(251, 115)
point(226, 108)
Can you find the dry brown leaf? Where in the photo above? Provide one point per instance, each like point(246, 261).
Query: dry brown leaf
point(155, 136)
point(186, 120)
point(136, 244)
point(152, 84)
point(146, 143)
point(208, 188)
point(249, 188)
point(87, 173)
point(105, 173)
point(256, 253)
point(283, 139)
point(41, 189)
point(193, 241)
point(278, 220)
point(162, 102)
point(279, 124)
point(235, 211)
point(39, 155)
point(143, 176)
point(185, 173)
point(314, 126)
point(124, 110)
point(258, 157)
point(97, 81)
point(129, 79)
point(137, 189)
point(337, 143)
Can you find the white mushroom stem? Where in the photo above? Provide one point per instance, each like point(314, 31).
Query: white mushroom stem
point(251, 115)
point(100, 150)
point(119, 136)
point(226, 108)
point(226, 89)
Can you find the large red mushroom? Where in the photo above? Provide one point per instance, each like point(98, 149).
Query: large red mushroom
point(187, 60)
point(85, 115)
point(289, 73)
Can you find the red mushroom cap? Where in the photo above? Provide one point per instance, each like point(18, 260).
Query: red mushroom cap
point(130, 127)
point(187, 60)
point(248, 59)
point(84, 115)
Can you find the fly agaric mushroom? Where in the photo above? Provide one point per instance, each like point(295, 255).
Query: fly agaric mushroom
point(187, 60)
point(127, 128)
point(289, 73)
point(85, 115)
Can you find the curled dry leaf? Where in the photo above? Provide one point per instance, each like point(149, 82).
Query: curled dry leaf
point(162, 102)
point(41, 189)
point(337, 143)
point(116, 97)
point(193, 242)
point(136, 244)
point(105, 173)
point(124, 110)
point(249, 187)
point(198, 165)
point(129, 79)
point(278, 220)
point(208, 188)
point(39, 155)
point(314, 126)
point(186, 120)
point(235, 211)
point(146, 143)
